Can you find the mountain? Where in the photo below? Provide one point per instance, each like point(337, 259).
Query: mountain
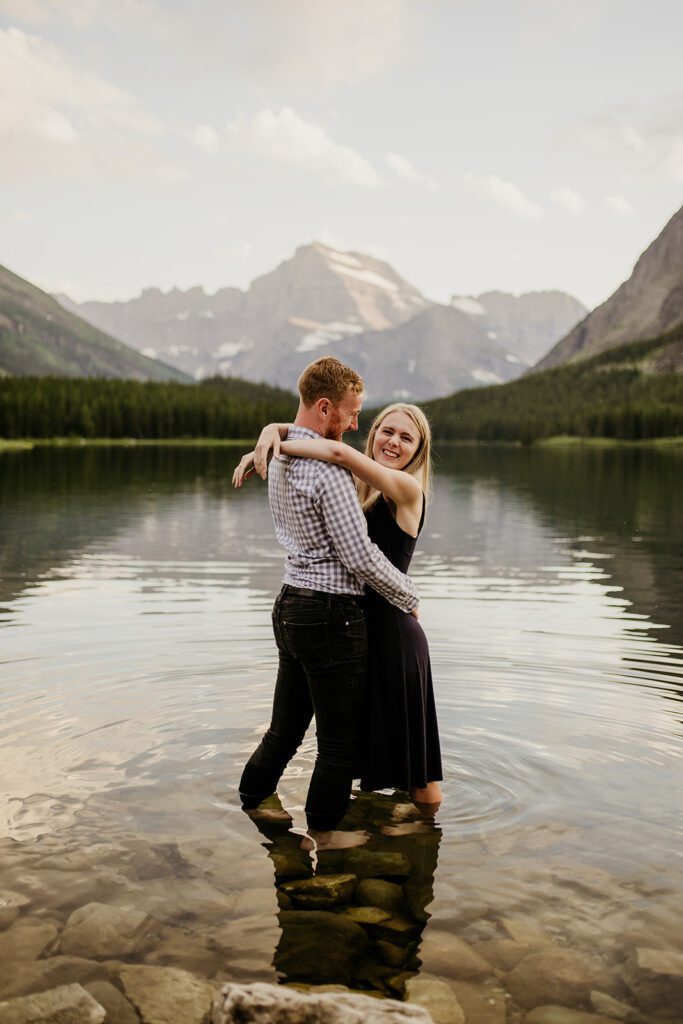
point(306, 305)
point(645, 306)
point(631, 392)
point(439, 351)
point(38, 337)
point(527, 325)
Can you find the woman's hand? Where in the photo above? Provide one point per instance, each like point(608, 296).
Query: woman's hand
point(268, 442)
point(244, 469)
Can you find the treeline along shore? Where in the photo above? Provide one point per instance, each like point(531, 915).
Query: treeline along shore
point(222, 407)
point(631, 393)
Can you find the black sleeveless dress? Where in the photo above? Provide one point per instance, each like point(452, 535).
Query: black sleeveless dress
point(400, 738)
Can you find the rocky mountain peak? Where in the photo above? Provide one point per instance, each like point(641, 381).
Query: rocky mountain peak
point(649, 303)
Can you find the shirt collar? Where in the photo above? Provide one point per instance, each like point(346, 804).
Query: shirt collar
point(300, 432)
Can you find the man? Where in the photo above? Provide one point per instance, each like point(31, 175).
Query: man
point(318, 618)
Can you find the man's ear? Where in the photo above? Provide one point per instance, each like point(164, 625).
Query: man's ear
point(323, 406)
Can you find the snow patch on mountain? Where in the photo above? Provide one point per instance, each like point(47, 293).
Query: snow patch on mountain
point(468, 305)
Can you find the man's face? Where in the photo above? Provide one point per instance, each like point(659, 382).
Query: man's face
point(343, 416)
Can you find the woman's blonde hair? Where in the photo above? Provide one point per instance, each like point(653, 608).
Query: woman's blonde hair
point(420, 466)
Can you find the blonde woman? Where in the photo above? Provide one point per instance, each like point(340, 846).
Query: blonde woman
point(400, 742)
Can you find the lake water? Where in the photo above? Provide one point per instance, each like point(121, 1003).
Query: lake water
point(136, 672)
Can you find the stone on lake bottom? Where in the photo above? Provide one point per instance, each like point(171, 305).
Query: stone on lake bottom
point(436, 997)
point(446, 955)
point(27, 939)
point(276, 1004)
point(557, 976)
point(655, 977)
point(377, 892)
point(392, 956)
point(318, 946)
point(563, 1015)
point(375, 864)
point(610, 1007)
point(482, 1002)
point(501, 953)
point(53, 972)
point(167, 995)
point(99, 931)
point(68, 1004)
point(11, 905)
point(117, 1007)
point(321, 891)
point(398, 930)
point(366, 915)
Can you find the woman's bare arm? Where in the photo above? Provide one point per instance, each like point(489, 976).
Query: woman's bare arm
point(269, 441)
point(400, 487)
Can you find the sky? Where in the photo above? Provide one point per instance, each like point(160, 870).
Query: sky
point(474, 145)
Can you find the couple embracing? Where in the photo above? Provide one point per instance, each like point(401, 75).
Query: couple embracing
point(351, 650)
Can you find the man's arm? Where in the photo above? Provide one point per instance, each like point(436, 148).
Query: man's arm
point(345, 523)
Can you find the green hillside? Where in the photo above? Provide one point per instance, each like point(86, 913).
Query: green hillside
point(633, 392)
point(38, 337)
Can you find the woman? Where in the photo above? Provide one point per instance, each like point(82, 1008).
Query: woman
point(400, 745)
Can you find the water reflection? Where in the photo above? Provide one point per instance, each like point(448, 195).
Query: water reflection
point(353, 916)
point(136, 675)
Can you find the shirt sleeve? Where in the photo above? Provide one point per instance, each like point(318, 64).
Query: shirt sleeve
point(345, 523)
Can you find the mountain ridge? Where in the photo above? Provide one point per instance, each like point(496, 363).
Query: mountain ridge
point(647, 304)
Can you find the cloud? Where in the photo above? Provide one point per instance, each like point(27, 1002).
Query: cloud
point(620, 206)
point(284, 136)
point(650, 140)
point(56, 117)
point(569, 200)
point(205, 137)
point(320, 43)
point(406, 170)
point(505, 195)
point(80, 14)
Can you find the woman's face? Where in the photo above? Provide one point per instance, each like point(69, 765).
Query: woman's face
point(396, 440)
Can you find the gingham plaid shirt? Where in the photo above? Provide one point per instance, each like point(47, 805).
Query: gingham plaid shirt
point(320, 524)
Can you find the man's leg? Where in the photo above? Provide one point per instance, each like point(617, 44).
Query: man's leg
point(291, 716)
point(337, 690)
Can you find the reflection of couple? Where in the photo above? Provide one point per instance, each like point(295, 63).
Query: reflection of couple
point(331, 638)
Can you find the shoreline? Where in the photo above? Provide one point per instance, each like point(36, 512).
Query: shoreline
point(563, 441)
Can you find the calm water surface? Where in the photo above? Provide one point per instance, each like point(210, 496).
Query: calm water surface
point(136, 672)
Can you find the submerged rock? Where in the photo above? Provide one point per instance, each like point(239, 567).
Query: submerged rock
point(366, 916)
point(611, 1007)
point(11, 905)
point(377, 892)
point(445, 954)
point(397, 929)
point(502, 953)
point(555, 976)
point(321, 891)
point(68, 1004)
point(167, 995)
point(117, 1007)
point(392, 956)
point(255, 1004)
point(375, 864)
point(318, 946)
point(51, 973)
point(100, 931)
point(482, 1002)
point(655, 977)
point(27, 939)
point(437, 998)
point(563, 1015)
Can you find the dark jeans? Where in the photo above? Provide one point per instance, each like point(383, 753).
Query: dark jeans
point(322, 644)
